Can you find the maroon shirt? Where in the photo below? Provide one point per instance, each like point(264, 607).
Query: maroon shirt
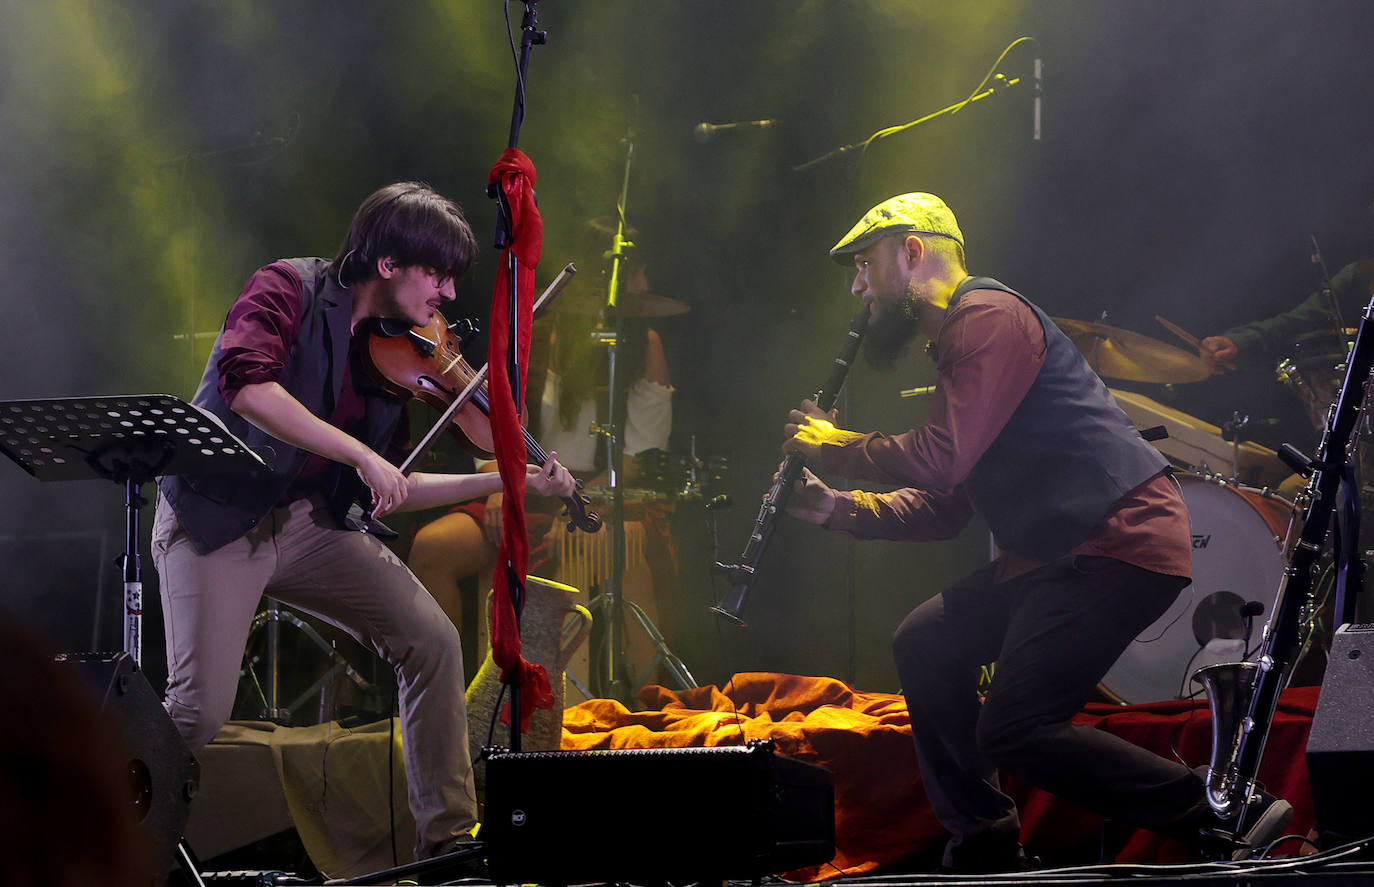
point(990, 348)
point(259, 332)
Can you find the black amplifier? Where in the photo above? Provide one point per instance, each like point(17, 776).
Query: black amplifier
point(655, 814)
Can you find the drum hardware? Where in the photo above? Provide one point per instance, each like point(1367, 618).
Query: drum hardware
point(1314, 370)
point(270, 619)
point(1196, 445)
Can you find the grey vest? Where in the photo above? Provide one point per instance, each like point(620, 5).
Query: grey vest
point(1065, 457)
point(216, 510)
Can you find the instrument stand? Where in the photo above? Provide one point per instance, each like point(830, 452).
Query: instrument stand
point(128, 439)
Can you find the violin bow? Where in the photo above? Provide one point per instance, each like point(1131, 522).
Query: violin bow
point(480, 377)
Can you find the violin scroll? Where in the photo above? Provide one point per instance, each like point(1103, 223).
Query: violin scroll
point(579, 516)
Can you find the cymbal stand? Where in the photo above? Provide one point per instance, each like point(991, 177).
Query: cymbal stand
point(1324, 281)
point(609, 333)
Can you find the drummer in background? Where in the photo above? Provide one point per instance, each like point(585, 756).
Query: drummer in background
point(568, 368)
point(1263, 343)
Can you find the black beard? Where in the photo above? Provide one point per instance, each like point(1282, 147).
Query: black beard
point(889, 337)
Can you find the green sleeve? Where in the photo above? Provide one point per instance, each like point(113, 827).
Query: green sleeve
point(1265, 342)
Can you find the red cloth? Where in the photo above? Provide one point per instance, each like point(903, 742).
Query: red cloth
point(515, 174)
point(882, 817)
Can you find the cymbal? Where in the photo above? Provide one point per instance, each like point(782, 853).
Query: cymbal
point(1122, 354)
point(632, 304)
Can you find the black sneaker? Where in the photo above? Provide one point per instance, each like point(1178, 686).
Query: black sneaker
point(1262, 822)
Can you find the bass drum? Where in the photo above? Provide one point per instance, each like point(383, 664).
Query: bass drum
point(1237, 558)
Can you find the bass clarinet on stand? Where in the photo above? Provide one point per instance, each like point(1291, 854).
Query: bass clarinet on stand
point(742, 574)
point(1243, 696)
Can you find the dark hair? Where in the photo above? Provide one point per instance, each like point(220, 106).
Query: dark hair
point(412, 224)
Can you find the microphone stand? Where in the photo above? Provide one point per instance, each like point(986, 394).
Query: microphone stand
point(529, 37)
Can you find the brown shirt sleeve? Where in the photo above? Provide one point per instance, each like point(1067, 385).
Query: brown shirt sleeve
point(989, 351)
point(907, 515)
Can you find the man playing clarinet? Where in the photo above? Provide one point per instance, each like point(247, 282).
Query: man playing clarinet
point(1092, 530)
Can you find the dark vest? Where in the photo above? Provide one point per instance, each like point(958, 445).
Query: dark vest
point(216, 510)
point(1065, 457)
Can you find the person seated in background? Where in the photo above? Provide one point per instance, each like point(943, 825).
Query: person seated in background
point(1263, 343)
point(568, 369)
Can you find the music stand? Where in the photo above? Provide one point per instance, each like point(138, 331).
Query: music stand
point(128, 439)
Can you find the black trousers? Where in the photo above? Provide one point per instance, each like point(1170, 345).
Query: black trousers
point(1053, 632)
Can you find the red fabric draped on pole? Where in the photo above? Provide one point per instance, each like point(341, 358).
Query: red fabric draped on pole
point(515, 175)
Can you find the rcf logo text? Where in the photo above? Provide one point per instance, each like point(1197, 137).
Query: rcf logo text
point(1200, 541)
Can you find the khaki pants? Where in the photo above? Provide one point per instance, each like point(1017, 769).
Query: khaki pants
point(302, 557)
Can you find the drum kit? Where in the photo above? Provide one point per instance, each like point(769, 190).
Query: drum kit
point(1238, 518)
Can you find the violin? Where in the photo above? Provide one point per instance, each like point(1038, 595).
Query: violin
point(426, 362)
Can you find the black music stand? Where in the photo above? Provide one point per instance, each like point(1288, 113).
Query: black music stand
point(128, 439)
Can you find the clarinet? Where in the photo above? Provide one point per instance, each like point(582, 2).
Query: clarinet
point(1243, 696)
point(742, 574)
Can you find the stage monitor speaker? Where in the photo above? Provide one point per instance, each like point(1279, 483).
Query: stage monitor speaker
point(656, 814)
point(163, 774)
point(1340, 748)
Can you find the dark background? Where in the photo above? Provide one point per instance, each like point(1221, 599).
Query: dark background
point(153, 153)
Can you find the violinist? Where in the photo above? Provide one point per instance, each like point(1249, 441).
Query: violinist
point(283, 375)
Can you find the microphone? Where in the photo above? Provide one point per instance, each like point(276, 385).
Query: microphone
point(1039, 91)
point(704, 132)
